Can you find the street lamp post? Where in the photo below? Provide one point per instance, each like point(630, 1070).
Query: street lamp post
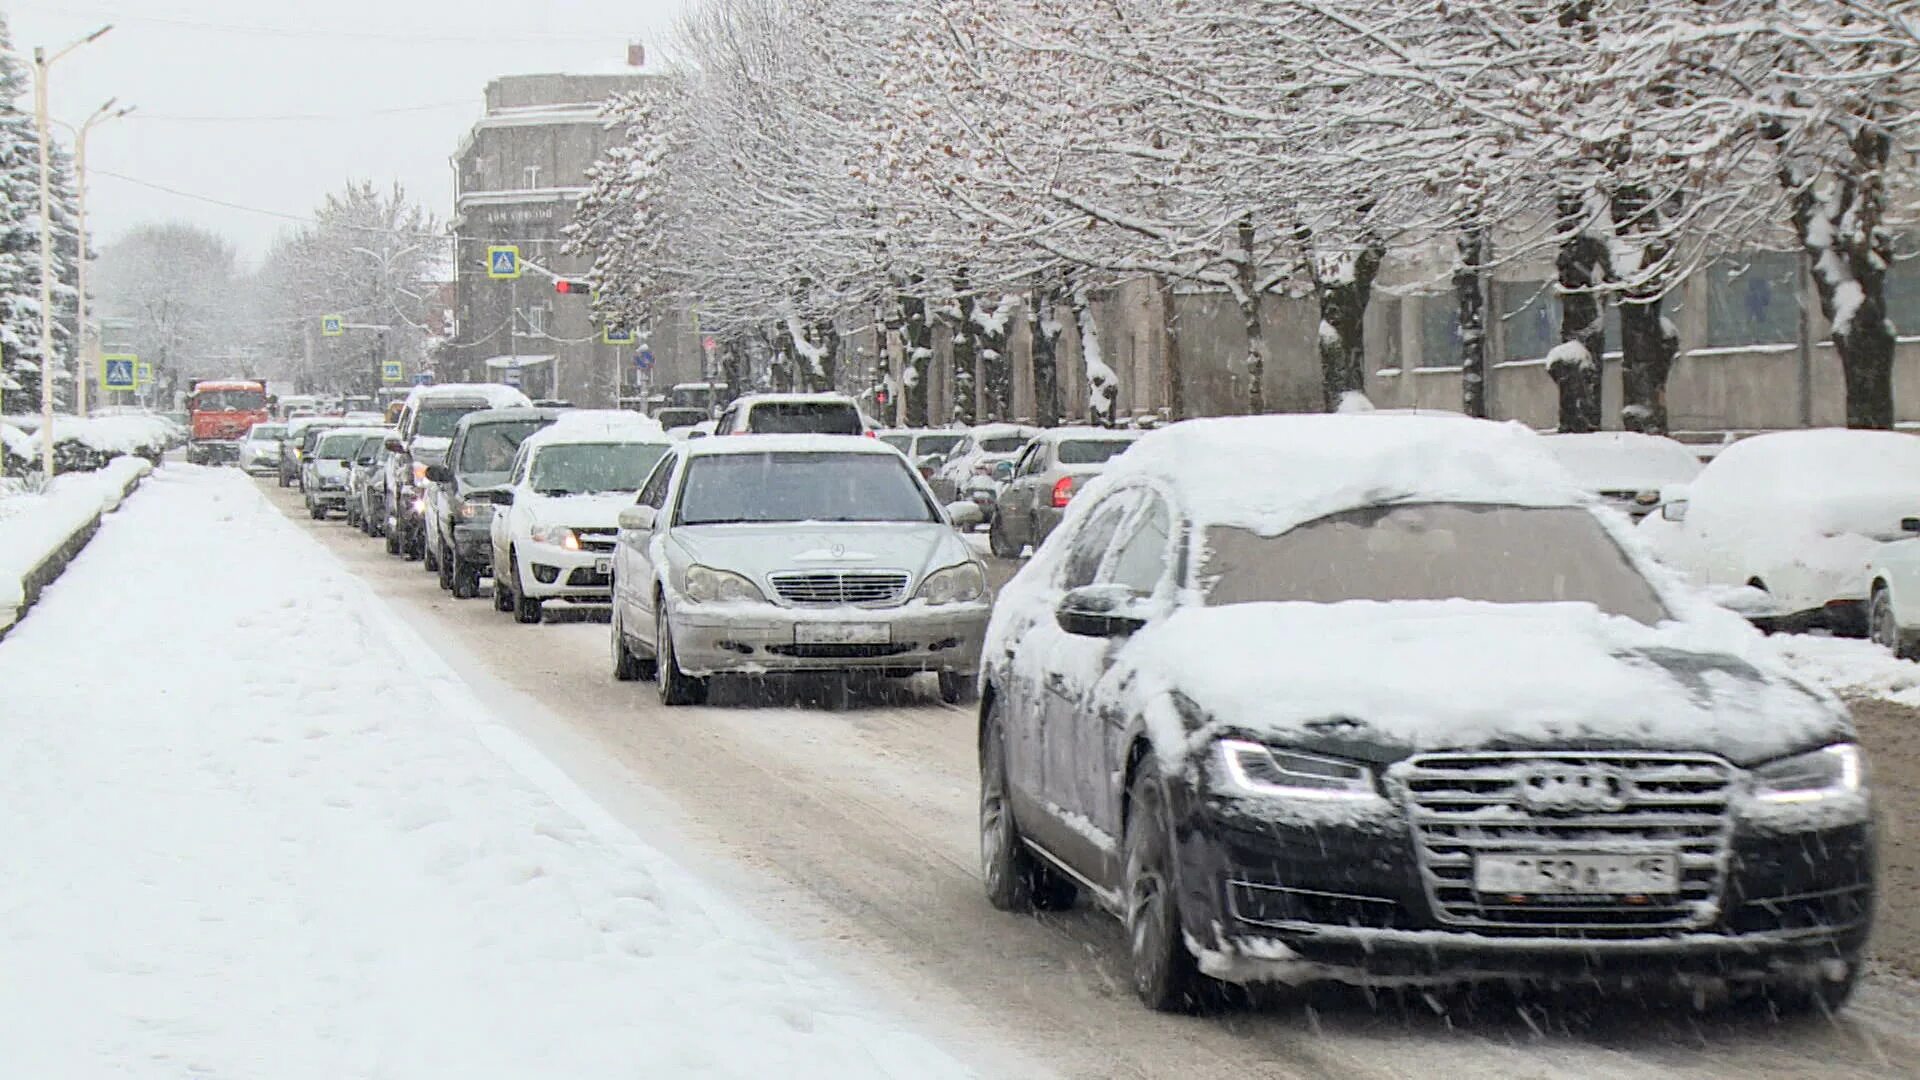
point(81, 368)
point(41, 62)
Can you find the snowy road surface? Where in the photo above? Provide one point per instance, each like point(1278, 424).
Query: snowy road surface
point(852, 824)
point(254, 829)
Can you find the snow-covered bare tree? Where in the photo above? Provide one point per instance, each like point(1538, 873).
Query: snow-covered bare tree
point(173, 291)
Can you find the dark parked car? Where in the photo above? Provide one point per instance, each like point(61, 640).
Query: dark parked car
point(421, 437)
point(361, 471)
point(479, 458)
point(1390, 701)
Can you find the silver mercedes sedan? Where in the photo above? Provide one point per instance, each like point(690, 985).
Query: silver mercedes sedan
point(775, 553)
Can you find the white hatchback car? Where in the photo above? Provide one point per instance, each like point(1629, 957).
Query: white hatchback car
point(553, 534)
point(1783, 527)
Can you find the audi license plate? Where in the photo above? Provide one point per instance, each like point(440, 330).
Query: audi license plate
point(1576, 874)
point(603, 567)
point(845, 633)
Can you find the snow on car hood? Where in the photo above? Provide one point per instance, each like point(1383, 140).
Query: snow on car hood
point(760, 549)
point(578, 511)
point(1379, 681)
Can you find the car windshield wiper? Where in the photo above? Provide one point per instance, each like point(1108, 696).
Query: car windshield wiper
point(726, 521)
point(555, 491)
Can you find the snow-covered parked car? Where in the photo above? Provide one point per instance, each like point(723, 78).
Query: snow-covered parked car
point(793, 553)
point(926, 448)
point(555, 519)
point(973, 462)
point(1627, 468)
point(1782, 527)
point(260, 450)
point(1893, 592)
point(1390, 700)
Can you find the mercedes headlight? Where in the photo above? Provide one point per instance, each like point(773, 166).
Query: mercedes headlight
point(706, 585)
point(558, 535)
point(955, 585)
point(1256, 769)
point(1826, 773)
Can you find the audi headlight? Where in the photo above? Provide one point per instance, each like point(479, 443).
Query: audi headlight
point(558, 535)
point(1826, 773)
point(955, 585)
point(706, 585)
point(1256, 769)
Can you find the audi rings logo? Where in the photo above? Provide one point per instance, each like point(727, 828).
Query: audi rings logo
point(1556, 788)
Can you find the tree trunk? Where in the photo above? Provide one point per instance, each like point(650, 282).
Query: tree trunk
point(996, 367)
point(964, 352)
point(1343, 311)
point(1470, 292)
point(826, 338)
point(1248, 297)
point(1043, 323)
point(1170, 327)
point(916, 368)
point(1648, 343)
point(780, 368)
point(733, 363)
point(1846, 237)
point(1103, 386)
point(1582, 265)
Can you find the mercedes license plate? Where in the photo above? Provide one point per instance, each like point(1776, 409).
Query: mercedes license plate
point(1576, 874)
point(842, 633)
point(603, 567)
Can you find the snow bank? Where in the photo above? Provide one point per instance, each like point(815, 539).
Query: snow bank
point(34, 526)
point(89, 443)
point(1849, 668)
point(267, 847)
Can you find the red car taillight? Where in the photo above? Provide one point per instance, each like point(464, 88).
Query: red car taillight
point(1062, 491)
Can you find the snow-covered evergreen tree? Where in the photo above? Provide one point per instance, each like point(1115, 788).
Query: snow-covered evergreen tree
point(20, 343)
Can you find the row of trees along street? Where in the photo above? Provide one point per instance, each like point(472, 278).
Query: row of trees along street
point(21, 359)
point(811, 167)
point(178, 296)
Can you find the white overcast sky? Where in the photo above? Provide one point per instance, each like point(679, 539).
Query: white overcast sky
point(270, 104)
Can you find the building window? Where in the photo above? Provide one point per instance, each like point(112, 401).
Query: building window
point(1439, 330)
point(1755, 301)
point(1383, 332)
point(1529, 316)
point(1903, 288)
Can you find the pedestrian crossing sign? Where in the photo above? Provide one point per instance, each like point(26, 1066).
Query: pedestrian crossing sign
point(117, 371)
point(143, 373)
point(503, 262)
point(333, 325)
point(391, 371)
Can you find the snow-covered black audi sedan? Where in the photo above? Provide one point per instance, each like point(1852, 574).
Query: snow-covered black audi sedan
point(1387, 699)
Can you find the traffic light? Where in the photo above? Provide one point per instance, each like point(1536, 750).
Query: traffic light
point(566, 285)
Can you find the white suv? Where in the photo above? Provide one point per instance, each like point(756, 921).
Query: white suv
point(553, 534)
point(793, 414)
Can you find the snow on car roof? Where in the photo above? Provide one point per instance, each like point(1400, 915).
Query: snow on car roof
point(1827, 456)
point(994, 431)
point(577, 426)
point(791, 444)
point(496, 395)
point(1271, 473)
point(1623, 460)
point(803, 399)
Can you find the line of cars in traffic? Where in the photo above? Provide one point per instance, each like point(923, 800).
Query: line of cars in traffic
point(1377, 698)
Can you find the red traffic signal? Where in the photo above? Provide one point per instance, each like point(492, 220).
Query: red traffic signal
point(563, 285)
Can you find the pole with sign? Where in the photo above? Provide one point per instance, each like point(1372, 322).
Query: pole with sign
point(392, 371)
point(119, 371)
point(503, 262)
point(333, 325)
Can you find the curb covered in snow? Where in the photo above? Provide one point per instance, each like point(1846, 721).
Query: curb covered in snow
point(40, 534)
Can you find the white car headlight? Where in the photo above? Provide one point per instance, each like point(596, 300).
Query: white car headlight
point(1826, 773)
point(955, 585)
point(1256, 769)
point(706, 585)
point(558, 535)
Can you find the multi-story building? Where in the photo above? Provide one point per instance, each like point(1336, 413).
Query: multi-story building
point(519, 173)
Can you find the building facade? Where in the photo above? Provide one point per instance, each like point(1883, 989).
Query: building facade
point(519, 173)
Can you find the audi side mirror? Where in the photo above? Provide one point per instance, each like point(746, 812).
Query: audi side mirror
point(966, 516)
point(1101, 611)
point(395, 446)
point(497, 496)
point(638, 518)
point(440, 474)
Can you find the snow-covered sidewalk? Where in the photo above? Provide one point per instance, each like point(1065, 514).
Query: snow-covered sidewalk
point(253, 827)
point(34, 526)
